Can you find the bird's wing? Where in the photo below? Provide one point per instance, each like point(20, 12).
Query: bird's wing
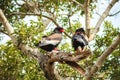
point(85, 38)
point(55, 36)
point(52, 39)
point(46, 42)
point(81, 38)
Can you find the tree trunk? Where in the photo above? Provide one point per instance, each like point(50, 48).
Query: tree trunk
point(48, 68)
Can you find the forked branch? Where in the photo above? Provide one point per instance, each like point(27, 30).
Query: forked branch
point(102, 58)
point(45, 61)
point(101, 19)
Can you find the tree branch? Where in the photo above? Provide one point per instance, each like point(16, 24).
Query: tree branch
point(21, 13)
point(56, 24)
point(41, 59)
point(36, 14)
point(81, 6)
point(47, 21)
point(25, 49)
point(69, 21)
point(45, 61)
point(102, 58)
point(64, 56)
point(114, 13)
point(87, 17)
point(32, 6)
point(6, 24)
point(3, 32)
point(101, 19)
point(70, 59)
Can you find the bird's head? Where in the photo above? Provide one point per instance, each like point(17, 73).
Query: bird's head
point(58, 30)
point(80, 30)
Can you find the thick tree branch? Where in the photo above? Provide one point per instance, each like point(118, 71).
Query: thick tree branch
point(70, 59)
point(101, 19)
point(42, 59)
point(102, 58)
point(64, 56)
point(87, 17)
point(25, 49)
point(6, 24)
point(46, 61)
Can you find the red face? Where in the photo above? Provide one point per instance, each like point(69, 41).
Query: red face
point(61, 30)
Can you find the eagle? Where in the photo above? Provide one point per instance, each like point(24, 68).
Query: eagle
point(49, 43)
point(79, 40)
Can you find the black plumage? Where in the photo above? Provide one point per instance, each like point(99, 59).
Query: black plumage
point(50, 42)
point(79, 39)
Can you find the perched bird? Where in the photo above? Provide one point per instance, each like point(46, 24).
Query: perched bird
point(50, 42)
point(79, 39)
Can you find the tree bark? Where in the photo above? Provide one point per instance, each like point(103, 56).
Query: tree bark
point(101, 19)
point(48, 68)
point(46, 62)
point(102, 58)
point(87, 17)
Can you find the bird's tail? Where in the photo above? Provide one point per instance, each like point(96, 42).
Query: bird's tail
point(76, 66)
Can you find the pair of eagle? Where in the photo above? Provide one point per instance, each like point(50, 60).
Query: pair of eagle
point(50, 42)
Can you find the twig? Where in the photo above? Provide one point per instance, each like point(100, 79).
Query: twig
point(18, 3)
point(114, 13)
point(69, 21)
point(21, 13)
point(3, 32)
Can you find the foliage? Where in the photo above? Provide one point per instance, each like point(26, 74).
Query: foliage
point(110, 69)
point(29, 33)
point(14, 65)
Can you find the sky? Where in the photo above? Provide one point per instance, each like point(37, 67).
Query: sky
point(102, 4)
